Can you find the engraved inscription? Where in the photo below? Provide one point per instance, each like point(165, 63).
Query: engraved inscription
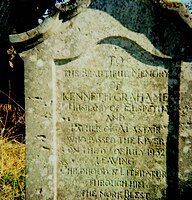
point(113, 121)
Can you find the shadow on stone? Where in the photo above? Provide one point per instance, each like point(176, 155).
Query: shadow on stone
point(165, 29)
point(136, 51)
point(169, 34)
point(174, 68)
point(185, 190)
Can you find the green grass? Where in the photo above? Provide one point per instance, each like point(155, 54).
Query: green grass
point(12, 170)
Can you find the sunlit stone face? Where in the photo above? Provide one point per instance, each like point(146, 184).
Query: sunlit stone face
point(66, 5)
point(186, 3)
point(108, 102)
point(182, 7)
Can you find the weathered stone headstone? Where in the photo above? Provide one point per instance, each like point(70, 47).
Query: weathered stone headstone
point(185, 131)
point(102, 100)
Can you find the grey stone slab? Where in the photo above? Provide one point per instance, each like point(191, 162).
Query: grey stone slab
point(102, 105)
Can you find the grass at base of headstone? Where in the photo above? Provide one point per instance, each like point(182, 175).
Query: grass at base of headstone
point(12, 170)
point(12, 151)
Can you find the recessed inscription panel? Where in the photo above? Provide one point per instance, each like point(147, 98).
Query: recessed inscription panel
point(112, 126)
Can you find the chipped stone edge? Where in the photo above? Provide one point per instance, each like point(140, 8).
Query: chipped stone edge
point(41, 29)
point(45, 26)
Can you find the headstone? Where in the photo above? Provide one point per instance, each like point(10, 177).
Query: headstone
point(185, 132)
point(102, 105)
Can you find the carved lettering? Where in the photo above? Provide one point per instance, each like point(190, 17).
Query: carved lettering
point(115, 117)
point(148, 130)
point(136, 97)
point(131, 184)
point(91, 139)
point(117, 194)
point(151, 141)
point(132, 72)
point(136, 195)
point(114, 160)
point(118, 125)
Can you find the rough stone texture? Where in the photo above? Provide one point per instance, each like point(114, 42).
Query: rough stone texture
point(185, 131)
point(102, 105)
